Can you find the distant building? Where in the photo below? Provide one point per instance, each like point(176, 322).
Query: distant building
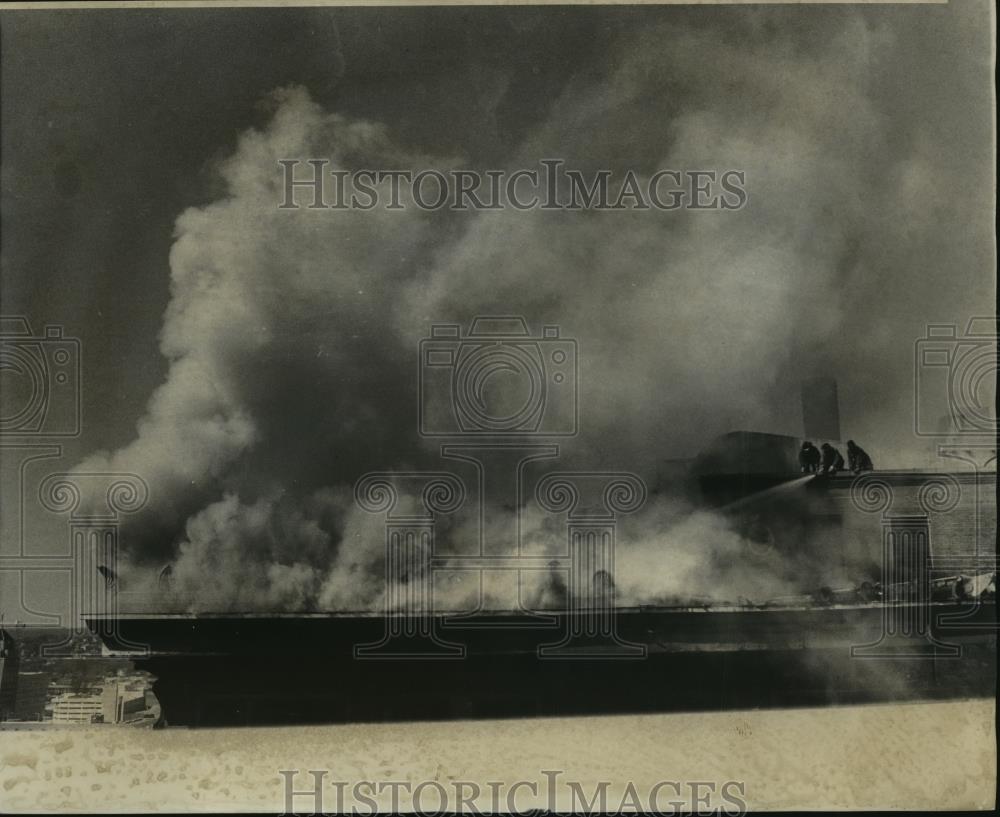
point(120, 699)
point(74, 708)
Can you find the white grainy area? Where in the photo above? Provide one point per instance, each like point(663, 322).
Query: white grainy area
point(931, 755)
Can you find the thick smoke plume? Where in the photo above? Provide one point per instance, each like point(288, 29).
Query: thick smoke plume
point(292, 336)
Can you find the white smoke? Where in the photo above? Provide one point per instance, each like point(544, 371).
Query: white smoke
point(291, 335)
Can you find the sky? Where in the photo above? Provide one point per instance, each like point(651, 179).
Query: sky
point(251, 363)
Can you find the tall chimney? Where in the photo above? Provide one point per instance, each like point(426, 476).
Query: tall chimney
point(820, 409)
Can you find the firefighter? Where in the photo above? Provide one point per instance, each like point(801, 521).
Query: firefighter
point(832, 460)
point(808, 458)
point(858, 459)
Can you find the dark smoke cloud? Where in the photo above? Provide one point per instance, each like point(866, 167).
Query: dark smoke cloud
point(291, 336)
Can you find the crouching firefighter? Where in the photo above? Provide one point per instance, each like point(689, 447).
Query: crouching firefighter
point(808, 458)
point(858, 459)
point(832, 460)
